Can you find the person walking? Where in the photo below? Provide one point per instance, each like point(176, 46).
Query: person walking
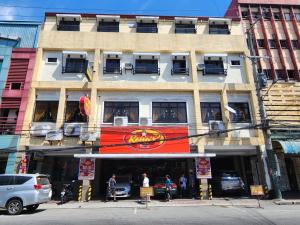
point(111, 187)
point(168, 184)
point(182, 185)
point(146, 182)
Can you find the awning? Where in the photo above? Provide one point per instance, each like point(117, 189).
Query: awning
point(144, 156)
point(84, 54)
point(75, 16)
point(287, 147)
point(146, 55)
point(192, 20)
point(219, 21)
point(112, 53)
point(180, 54)
point(147, 18)
point(108, 17)
point(215, 55)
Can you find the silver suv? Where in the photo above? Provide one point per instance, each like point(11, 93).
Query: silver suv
point(18, 191)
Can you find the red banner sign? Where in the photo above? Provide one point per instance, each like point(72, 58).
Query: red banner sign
point(132, 140)
point(85, 105)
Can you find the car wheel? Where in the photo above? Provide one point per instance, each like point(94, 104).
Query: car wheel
point(14, 207)
point(32, 208)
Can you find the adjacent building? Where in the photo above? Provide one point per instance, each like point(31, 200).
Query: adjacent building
point(18, 41)
point(139, 77)
point(277, 34)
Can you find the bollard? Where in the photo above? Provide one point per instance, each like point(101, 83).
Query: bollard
point(266, 191)
point(89, 193)
point(209, 192)
point(80, 193)
point(200, 191)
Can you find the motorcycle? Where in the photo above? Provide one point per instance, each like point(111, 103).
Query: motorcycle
point(67, 193)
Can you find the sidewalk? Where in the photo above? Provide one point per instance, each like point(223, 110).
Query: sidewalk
point(154, 203)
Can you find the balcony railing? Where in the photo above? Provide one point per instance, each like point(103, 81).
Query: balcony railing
point(218, 31)
point(78, 68)
point(146, 70)
point(180, 71)
point(68, 27)
point(112, 70)
point(141, 29)
point(214, 71)
point(182, 30)
point(7, 125)
point(103, 28)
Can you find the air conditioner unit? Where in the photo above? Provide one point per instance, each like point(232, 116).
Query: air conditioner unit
point(72, 129)
point(54, 135)
point(88, 136)
point(216, 126)
point(41, 129)
point(200, 67)
point(128, 66)
point(145, 121)
point(120, 121)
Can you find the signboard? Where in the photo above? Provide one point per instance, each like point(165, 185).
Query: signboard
point(146, 191)
point(85, 105)
point(257, 190)
point(86, 169)
point(133, 140)
point(203, 168)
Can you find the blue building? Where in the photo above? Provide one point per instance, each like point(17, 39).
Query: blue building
point(18, 41)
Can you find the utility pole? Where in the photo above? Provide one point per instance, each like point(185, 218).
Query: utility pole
point(272, 167)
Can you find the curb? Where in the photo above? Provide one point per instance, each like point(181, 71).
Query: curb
point(287, 202)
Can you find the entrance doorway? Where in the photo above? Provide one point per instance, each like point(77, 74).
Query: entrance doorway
point(291, 172)
point(3, 161)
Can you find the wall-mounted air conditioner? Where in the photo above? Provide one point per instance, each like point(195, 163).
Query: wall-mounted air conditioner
point(40, 129)
point(216, 126)
point(120, 121)
point(145, 121)
point(54, 135)
point(88, 136)
point(72, 129)
point(200, 67)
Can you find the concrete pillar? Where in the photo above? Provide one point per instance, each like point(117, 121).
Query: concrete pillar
point(94, 110)
point(61, 109)
point(193, 66)
point(225, 112)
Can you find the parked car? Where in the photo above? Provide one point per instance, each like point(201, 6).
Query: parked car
point(160, 187)
point(19, 191)
point(123, 187)
point(228, 182)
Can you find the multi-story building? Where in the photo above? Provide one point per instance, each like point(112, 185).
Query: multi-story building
point(277, 35)
point(18, 41)
point(160, 76)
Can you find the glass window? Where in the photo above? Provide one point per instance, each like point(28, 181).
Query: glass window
point(112, 66)
point(291, 74)
point(266, 14)
point(185, 28)
point(1, 62)
point(146, 28)
point(261, 43)
point(73, 113)
point(280, 74)
point(52, 60)
point(283, 44)
point(21, 179)
point(68, 25)
point(235, 62)
point(45, 111)
point(146, 66)
point(255, 15)
point(108, 26)
point(43, 180)
point(242, 114)
point(245, 14)
point(276, 15)
point(287, 16)
point(210, 111)
point(214, 67)
point(74, 65)
point(295, 44)
point(169, 112)
point(6, 180)
point(219, 29)
point(268, 73)
point(272, 43)
point(179, 67)
point(297, 15)
point(129, 109)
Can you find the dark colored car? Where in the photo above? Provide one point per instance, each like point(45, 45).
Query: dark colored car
point(160, 187)
point(228, 182)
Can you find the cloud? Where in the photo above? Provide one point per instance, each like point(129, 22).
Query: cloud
point(7, 13)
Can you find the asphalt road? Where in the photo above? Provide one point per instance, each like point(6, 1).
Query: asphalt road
point(208, 215)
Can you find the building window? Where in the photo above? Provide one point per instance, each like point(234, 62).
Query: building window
point(297, 15)
point(235, 62)
point(146, 66)
point(75, 65)
point(255, 15)
point(68, 25)
point(214, 67)
point(179, 67)
point(210, 111)
point(276, 16)
point(112, 66)
point(242, 114)
point(129, 109)
point(52, 60)
point(219, 29)
point(287, 16)
point(291, 74)
point(268, 73)
point(272, 43)
point(73, 114)
point(245, 14)
point(8, 120)
point(261, 43)
point(185, 28)
point(295, 44)
point(283, 44)
point(266, 14)
point(45, 111)
point(146, 27)
point(108, 26)
point(280, 74)
point(15, 86)
point(169, 112)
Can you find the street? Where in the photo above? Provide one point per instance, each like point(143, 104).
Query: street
point(214, 215)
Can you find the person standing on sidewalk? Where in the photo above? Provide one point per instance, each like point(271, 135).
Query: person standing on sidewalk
point(168, 184)
point(182, 185)
point(111, 187)
point(146, 182)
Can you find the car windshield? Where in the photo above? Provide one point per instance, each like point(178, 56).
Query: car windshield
point(161, 180)
point(43, 180)
point(122, 179)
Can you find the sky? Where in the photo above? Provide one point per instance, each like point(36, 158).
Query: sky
point(35, 9)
